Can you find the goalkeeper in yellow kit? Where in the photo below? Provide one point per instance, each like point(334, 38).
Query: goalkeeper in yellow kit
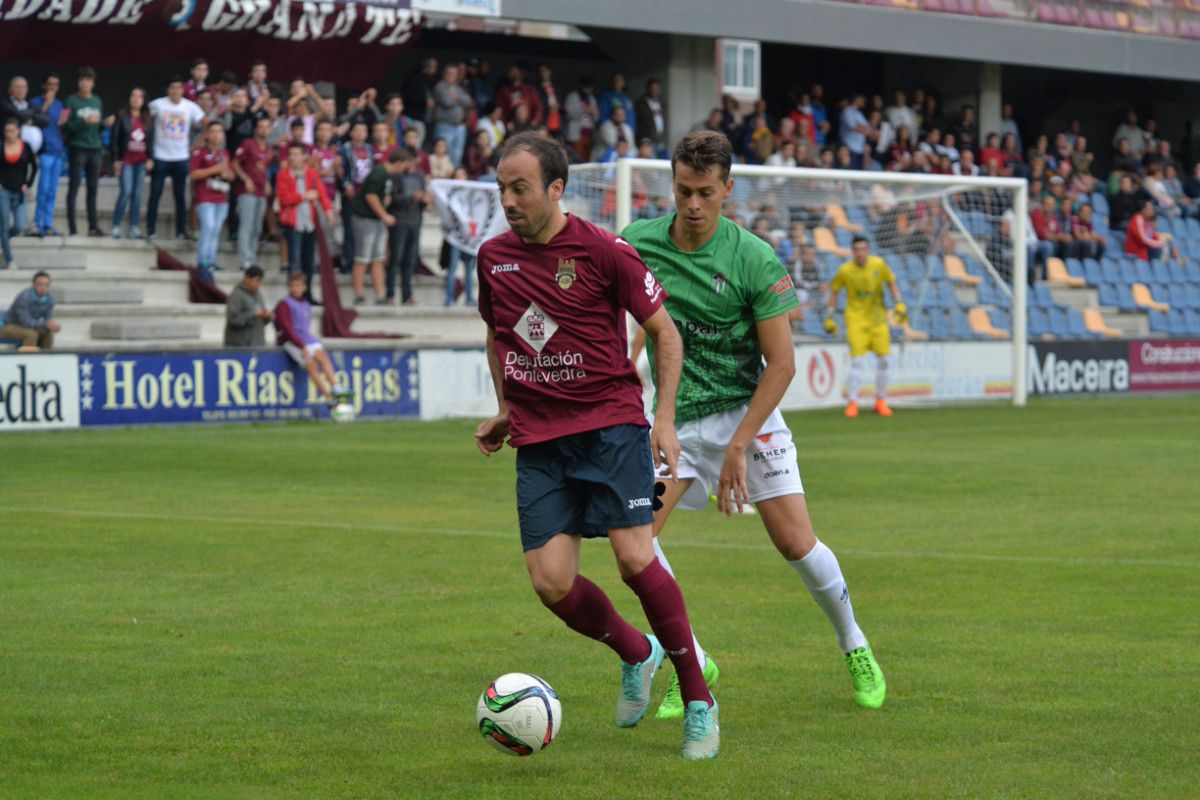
point(863, 278)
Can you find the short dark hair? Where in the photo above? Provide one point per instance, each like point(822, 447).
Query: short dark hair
point(229, 76)
point(293, 277)
point(198, 61)
point(41, 273)
point(174, 79)
point(262, 119)
point(297, 123)
point(212, 123)
point(551, 157)
point(702, 150)
point(87, 72)
point(258, 62)
point(298, 146)
point(253, 271)
point(858, 239)
point(401, 154)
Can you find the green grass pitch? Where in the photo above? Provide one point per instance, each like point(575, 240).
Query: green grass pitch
point(311, 611)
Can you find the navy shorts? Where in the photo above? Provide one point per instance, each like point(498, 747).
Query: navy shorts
point(585, 484)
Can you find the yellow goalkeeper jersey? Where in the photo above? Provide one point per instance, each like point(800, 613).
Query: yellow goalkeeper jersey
point(864, 290)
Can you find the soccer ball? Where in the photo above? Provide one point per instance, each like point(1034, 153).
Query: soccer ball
point(519, 714)
point(342, 412)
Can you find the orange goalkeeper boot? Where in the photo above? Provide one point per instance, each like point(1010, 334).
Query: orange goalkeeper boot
point(851, 409)
point(882, 408)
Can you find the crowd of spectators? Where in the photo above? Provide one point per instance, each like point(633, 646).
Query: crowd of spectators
point(268, 162)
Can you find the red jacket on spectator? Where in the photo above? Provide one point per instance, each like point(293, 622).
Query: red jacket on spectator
point(290, 198)
point(1044, 225)
point(510, 95)
point(1140, 237)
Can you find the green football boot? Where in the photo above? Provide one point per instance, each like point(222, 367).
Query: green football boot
point(672, 705)
point(869, 686)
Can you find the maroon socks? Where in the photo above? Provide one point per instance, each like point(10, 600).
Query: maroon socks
point(663, 604)
point(586, 609)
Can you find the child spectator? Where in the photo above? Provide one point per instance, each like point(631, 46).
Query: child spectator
point(293, 318)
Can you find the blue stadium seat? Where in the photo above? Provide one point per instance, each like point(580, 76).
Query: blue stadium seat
point(1193, 228)
point(1141, 270)
point(1039, 326)
point(1125, 298)
point(977, 223)
point(934, 268)
point(1111, 269)
point(1076, 327)
point(959, 327)
point(1177, 295)
point(974, 267)
point(1044, 299)
point(811, 326)
point(1175, 226)
point(1162, 273)
point(1092, 272)
point(1176, 324)
point(937, 324)
point(949, 296)
point(915, 265)
point(1191, 271)
point(1192, 295)
point(1158, 322)
point(1000, 320)
point(1108, 295)
point(1075, 268)
point(1100, 203)
point(1191, 321)
point(1056, 319)
point(843, 237)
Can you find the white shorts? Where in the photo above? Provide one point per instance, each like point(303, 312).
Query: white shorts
point(771, 466)
point(302, 356)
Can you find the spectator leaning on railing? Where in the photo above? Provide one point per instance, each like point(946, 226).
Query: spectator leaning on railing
point(30, 318)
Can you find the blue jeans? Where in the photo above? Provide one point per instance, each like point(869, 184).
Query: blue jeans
point(301, 252)
point(132, 178)
point(212, 217)
point(8, 204)
point(177, 171)
point(456, 139)
point(251, 209)
point(20, 218)
point(50, 169)
point(461, 256)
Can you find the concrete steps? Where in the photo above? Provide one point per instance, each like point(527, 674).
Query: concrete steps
point(1076, 298)
point(1131, 324)
point(147, 330)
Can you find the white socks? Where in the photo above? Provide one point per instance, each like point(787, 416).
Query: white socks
point(881, 377)
point(823, 577)
point(662, 559)
point(858, 366)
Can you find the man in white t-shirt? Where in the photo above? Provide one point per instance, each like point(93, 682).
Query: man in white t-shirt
point(174, 117)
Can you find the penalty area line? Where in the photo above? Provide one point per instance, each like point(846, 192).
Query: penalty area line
point(671, 541)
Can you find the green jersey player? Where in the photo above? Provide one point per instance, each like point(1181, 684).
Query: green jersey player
point(730, 296)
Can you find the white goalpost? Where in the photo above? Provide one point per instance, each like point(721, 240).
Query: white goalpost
point(957, 244)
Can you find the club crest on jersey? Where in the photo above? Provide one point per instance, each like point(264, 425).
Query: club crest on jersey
point(719, 282)
point(566, 273)
point(536, 325)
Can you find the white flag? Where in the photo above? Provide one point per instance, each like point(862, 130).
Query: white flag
point(471, 212)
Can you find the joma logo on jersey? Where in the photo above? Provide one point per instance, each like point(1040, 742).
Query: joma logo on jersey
point(566, 273)
point(639, 502)
point(505, 268)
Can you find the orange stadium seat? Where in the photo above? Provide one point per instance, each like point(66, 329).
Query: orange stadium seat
point(958, 272)
point(1095, 323)
point(1143, 299)
point(837, 215)
point(1057, 275)
point(823, 240)
point(980, 323)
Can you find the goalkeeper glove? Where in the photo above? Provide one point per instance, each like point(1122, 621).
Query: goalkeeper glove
point(831, 326)
point(901, 312)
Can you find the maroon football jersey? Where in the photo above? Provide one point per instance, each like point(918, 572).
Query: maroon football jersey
point(558, 311)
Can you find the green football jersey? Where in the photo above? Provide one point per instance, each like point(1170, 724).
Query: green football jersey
point(715, 294)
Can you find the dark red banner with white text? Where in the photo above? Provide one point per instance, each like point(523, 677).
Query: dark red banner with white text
point(344, 42)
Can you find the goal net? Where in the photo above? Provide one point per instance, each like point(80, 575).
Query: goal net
point(956, 244)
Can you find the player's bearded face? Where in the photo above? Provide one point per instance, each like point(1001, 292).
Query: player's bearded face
point(699, 196)
point(528, 205)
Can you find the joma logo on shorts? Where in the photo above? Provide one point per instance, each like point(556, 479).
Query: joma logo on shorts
point(639, 502)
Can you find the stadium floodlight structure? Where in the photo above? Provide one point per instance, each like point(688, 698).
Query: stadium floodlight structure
point(957, 244)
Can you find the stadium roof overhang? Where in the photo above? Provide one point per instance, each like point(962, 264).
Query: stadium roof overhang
point(858, 27)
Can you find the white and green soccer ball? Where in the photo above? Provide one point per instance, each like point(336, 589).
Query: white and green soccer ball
point(519, 714)
point(342, 412)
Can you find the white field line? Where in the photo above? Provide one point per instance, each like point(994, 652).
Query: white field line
point(669, 541)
